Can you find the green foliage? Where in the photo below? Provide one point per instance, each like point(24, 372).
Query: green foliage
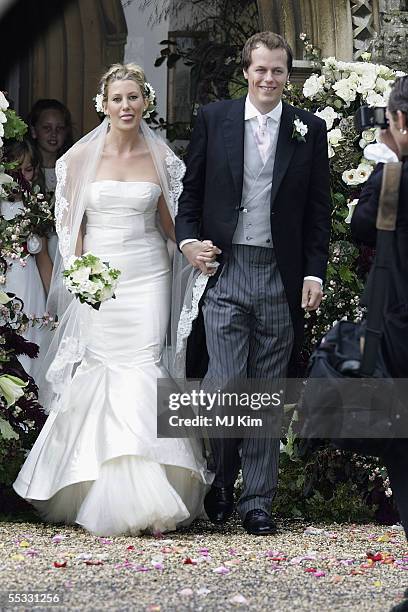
point(14, 127)
point(329, 485)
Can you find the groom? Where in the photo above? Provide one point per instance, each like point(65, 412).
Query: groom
point(257, 189)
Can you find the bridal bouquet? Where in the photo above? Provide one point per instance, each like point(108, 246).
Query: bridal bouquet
point(91, 280)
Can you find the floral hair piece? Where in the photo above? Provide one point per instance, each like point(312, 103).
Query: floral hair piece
point(149, 95)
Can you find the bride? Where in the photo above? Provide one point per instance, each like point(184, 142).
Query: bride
point(98, 462)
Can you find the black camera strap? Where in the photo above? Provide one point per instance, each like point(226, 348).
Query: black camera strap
point(386, 222)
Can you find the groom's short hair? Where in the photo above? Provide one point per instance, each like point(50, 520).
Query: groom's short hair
point(270, 40)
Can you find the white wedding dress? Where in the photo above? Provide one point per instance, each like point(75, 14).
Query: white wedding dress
point(99, 462)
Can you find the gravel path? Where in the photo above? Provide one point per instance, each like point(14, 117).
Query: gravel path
point(302, 568)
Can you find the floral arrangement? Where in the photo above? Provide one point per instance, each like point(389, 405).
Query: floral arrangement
point(21, 235)
point(91, 280)
point(334, 92)
point(326, 477)
point(20, 414)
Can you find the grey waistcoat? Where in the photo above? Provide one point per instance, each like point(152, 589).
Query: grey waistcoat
point(254, 221)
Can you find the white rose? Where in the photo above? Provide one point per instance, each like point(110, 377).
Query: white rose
point(106, 293)
point(313, 85)
point(350, 177)
point(351, 206)
point(330, 150)
point(3, 118)
point(375, 99)
point(381, 85)
point(3, 101)
point(81, 276)
point(368, 135)
point(399, 74)
point(90, 287)
point(98, 267)
point(1, 130)
point(366, 83)
point(334, 137)
point(346, 89)
point(328, 115)
point(363, 171)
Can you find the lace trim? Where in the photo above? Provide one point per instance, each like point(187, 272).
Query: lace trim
point(61, 204)
point(188, 315)
point(70, 351)
point(176, 170)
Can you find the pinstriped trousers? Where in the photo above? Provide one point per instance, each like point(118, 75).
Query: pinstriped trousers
point(249, 334)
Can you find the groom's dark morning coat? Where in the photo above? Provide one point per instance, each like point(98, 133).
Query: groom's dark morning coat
point(300, 199)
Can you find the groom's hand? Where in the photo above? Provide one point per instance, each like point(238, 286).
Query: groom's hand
point(311, 295)
point(202, 255)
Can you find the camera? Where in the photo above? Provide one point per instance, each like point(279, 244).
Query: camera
point(369, 117)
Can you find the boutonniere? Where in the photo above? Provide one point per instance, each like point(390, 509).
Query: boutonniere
point(300, 130)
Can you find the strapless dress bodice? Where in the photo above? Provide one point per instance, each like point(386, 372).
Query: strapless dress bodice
point(121, 211)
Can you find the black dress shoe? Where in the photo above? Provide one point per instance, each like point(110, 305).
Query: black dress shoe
point(258, 522)
point(219, 504)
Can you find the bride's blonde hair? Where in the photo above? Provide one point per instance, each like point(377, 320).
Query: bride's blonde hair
point(123, 72)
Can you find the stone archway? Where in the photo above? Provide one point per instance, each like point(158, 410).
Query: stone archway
point(67, 61)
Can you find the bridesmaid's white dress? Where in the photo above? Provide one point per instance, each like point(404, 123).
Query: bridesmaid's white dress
point(26, 283)
point(99, 463)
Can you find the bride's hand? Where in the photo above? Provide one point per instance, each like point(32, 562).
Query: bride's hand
point(202, 255)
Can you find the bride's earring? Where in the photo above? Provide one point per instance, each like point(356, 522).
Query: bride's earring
point(403, 131)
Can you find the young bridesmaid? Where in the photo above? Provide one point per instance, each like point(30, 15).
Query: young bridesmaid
point(29, 282)
point(51, 134)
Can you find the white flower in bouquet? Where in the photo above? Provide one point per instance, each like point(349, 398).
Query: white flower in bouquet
point(334, 137)
point(81, 275)
point(367, 137)
point(328, 114)
point(359, 175)
point(350, 177)
point(11, 388)
point(363, 171)
point(313, 85)
point(382, 85)
point(91, 280)
point(375, 99)
point(351, 204)
point(366, 82)
point(346, 89)
point(90, 288)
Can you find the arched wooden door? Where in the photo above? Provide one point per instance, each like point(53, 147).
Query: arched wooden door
point(68, 59)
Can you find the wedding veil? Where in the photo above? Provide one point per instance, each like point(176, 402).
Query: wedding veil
point(75, 171)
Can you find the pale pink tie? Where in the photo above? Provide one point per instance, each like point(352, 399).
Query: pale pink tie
point(263, 136)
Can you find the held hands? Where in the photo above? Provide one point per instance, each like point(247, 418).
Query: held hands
point(311, 295)
point(202, 255)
